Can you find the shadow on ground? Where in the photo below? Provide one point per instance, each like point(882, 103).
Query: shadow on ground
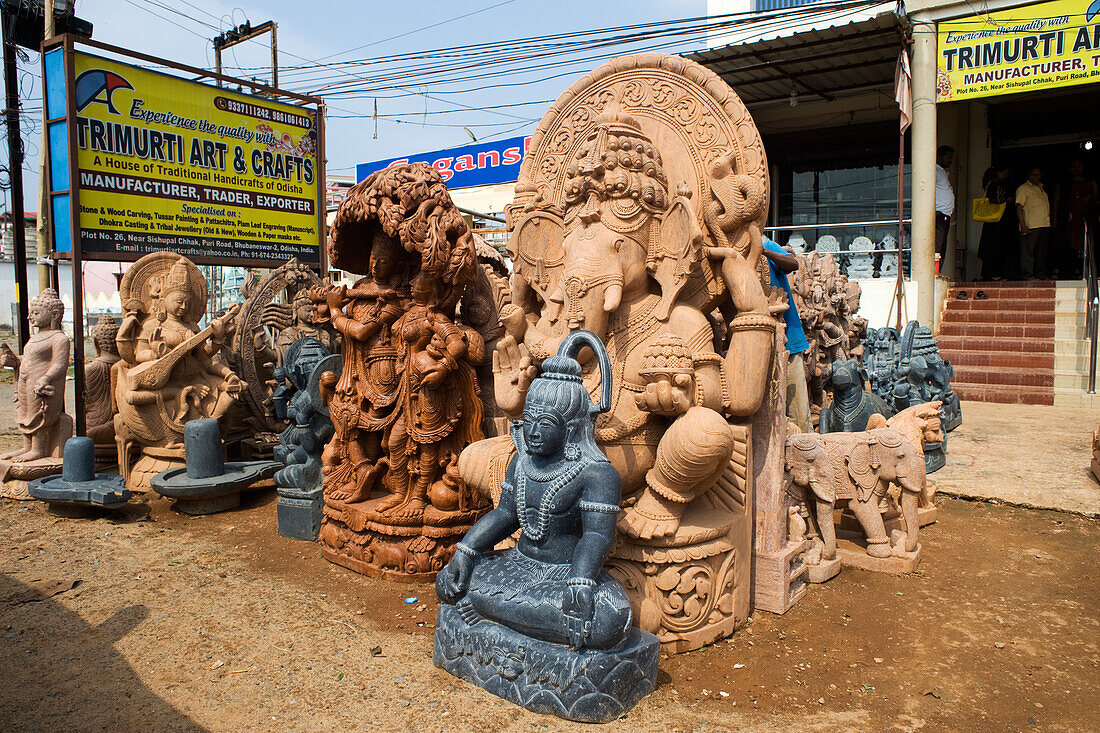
point(65, 670)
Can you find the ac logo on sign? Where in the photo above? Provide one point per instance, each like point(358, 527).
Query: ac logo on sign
point(95, 82)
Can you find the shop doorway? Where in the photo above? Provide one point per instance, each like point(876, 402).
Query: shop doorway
point(1051, 131)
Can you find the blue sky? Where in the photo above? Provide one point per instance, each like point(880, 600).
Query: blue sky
point(410, 118)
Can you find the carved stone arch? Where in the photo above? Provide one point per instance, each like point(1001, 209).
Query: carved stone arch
point(278, 286)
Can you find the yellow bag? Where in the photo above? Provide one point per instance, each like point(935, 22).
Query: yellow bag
point(985, 211)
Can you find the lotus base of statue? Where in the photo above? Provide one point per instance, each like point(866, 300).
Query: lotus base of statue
point(586, 685)
point(153, 460)
point(380, 546)
point(15, 475)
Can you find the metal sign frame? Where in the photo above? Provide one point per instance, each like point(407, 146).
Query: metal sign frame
point(68, 43)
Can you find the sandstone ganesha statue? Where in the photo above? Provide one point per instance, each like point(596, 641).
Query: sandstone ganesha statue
point(406, 401)
point(638, 213)
point(39, 396)
point(171, 370)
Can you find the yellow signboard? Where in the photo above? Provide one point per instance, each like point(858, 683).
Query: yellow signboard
point(163, 163)
point(1039, 46)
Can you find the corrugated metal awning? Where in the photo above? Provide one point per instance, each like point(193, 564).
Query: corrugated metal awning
point(825, 61)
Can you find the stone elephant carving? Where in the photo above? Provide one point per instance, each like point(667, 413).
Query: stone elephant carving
point(858, 467)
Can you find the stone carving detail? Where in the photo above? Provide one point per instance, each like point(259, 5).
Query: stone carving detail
point(924, 376)
point(638, 212)
point(797, 243)
point(509, 617)
point(909, 371)
point(921, 425)
point(861, 263)
point(99, 395)
point(298, 400)
point(39, 396)
point(406, 401)
point(850, 407)
point(888, 266)
point(859, 468)
point(825, 300)
point(880, 359)
point(827, 244)
point(171, 371)
point(276, 313)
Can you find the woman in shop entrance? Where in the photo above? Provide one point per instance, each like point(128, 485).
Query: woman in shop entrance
point(999, 245)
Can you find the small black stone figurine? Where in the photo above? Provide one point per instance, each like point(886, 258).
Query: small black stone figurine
point(298, 400)
point(542, 624)
point(851, 406)
point(79, 488)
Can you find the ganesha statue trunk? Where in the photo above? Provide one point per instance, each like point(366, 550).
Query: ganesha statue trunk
point(638, 216)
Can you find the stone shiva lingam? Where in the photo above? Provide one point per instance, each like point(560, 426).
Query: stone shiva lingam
point(307, 364)
point(79, 488)
point(406, 402)
point(39, 395)
point(638, 215)
point(207, 483)
point(171, 370)
point(542, 624)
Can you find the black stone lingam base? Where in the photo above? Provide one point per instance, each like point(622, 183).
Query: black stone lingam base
point(299, 513)
point(586, 685)
point(79, 490)
point(209, 484)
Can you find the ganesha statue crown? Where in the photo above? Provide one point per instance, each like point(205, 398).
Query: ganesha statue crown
point(542, 623)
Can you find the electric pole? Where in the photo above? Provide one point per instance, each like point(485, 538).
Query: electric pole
point(15, 175)
point(42, 230)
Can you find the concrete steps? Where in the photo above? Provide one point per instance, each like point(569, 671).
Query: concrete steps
point(1003, 347)
point(1025, 344)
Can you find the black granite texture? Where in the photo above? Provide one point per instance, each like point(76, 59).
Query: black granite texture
point(851, 406)
point(586, 685)
point(79, 485)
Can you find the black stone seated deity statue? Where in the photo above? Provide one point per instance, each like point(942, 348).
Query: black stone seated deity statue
point(543, 624)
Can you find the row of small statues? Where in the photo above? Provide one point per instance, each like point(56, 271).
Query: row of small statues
point(616, 403)
point(862, 259)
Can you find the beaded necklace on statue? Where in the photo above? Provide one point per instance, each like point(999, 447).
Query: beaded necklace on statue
point(527, 472)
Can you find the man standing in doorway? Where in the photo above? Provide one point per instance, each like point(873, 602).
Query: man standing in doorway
point(1033, 211)
point(945, 198)
point(780, 262)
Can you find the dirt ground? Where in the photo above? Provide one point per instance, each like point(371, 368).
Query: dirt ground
point(218, 623)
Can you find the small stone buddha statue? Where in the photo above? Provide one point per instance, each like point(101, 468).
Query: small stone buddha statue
point(563, 495)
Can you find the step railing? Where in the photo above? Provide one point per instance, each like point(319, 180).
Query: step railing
point(1092, 304)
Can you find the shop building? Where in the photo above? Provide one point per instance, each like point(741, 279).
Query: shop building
point(1001, 82)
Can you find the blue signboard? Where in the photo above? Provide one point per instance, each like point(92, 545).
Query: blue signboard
point(480, 164)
